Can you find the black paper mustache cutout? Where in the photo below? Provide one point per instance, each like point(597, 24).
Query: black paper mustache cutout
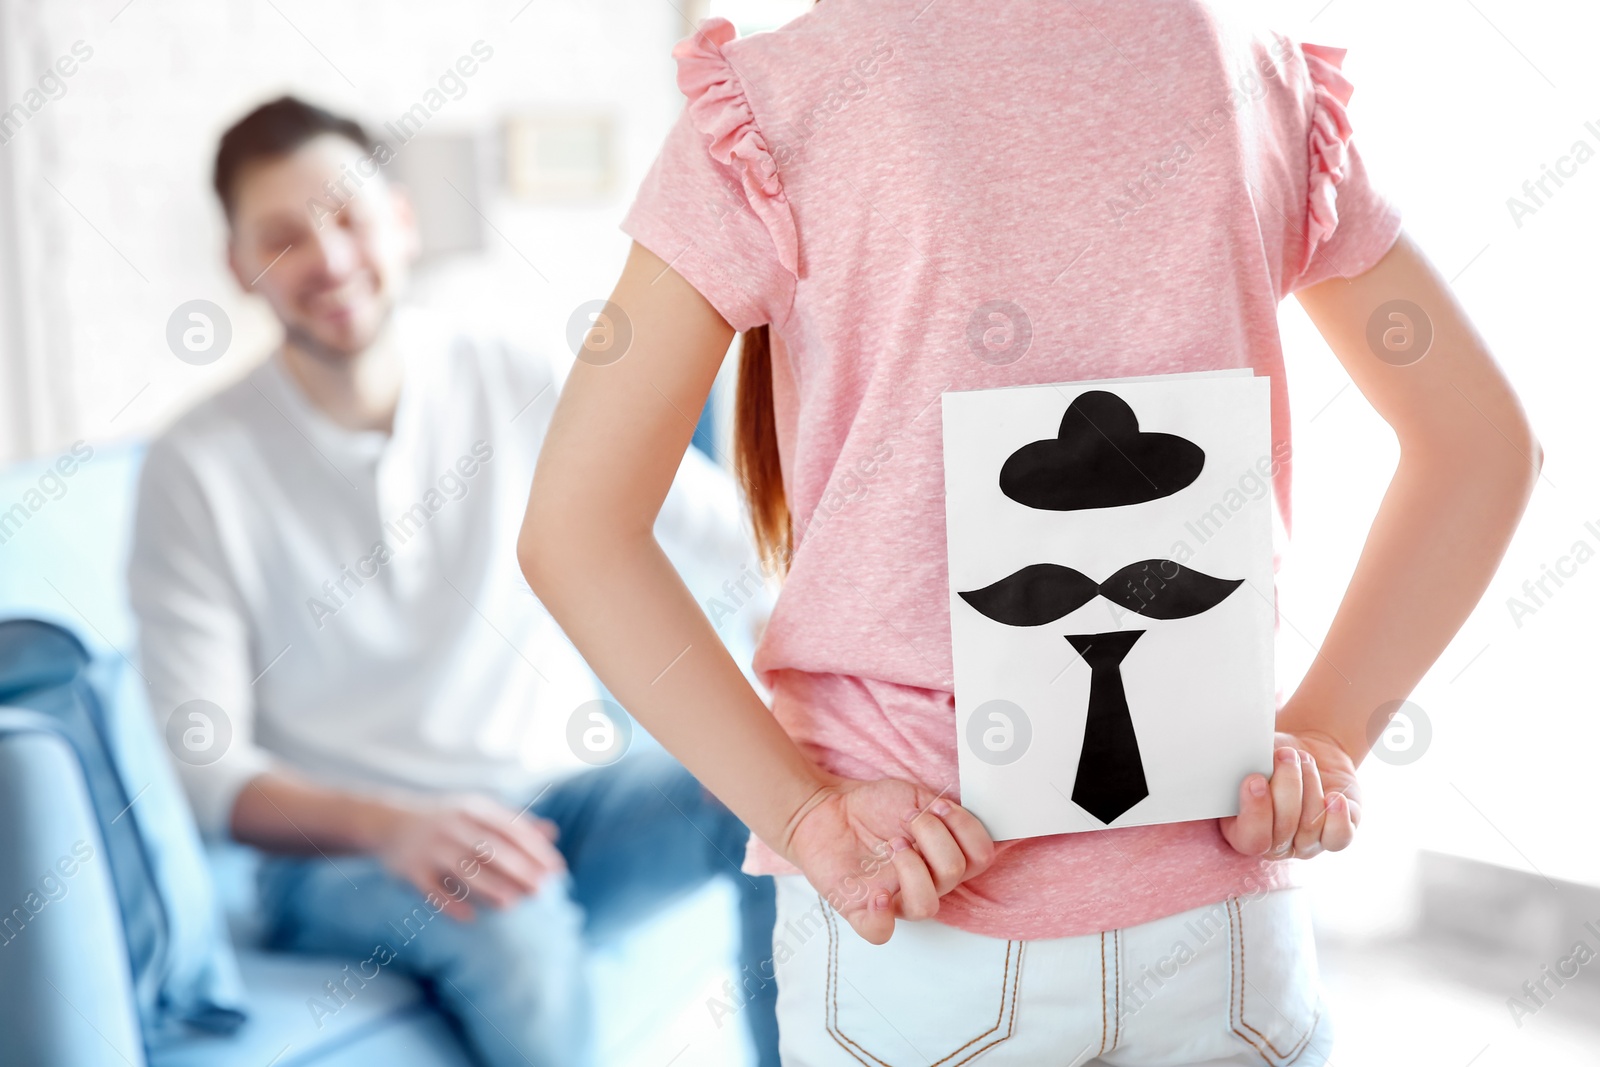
point(1099, 459)
point(1155, 588)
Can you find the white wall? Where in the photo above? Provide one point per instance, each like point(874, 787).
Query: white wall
point(111, 180)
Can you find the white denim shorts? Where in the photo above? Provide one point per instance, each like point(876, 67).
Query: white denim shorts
point(1234, 982)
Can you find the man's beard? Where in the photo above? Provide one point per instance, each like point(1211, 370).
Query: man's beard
point(308, 343)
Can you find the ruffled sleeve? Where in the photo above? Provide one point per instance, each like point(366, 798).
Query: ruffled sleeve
point(713, 205)
point(1330, 136)
point(1349, 224)
point(720, 111)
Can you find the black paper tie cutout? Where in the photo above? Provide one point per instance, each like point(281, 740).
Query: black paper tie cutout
point(1110, 773)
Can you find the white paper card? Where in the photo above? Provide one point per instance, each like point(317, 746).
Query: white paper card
point(1125, 523)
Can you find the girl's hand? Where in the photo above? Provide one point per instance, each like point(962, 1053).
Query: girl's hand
point(1312, 803)
point(887, 847)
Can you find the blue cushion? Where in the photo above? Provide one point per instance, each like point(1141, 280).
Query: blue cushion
point(183, 967)
point(65, 992)
point(390, 1012)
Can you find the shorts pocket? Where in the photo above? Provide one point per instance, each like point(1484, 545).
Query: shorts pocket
point(1275, 1001)
point(932, 996)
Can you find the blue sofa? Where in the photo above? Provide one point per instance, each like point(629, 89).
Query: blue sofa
point(63, 562)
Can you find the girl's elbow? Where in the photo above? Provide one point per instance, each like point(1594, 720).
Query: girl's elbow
point(536, 547)
point(553, 526)
point(1508, 450)
point(559, 546)
point(1525, 462)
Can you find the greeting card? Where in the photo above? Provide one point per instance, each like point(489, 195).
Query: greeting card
point(1111, 598)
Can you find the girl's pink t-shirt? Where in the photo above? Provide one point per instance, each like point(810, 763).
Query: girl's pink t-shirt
point(924, 196)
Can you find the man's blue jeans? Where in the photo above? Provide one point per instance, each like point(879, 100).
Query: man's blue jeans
point(636, 835)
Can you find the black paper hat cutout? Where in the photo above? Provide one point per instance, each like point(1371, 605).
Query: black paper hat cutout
point(1099, 459)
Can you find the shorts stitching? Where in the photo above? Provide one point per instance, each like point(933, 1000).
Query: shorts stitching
point(1299, 1047)
point(999, 1012)
point(1234, 988)
point(1102, 992)
point(1011, 1019)
point(1116, 985)
point(830, 1010)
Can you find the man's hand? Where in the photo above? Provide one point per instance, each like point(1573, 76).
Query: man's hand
point(455, 846)
point(887, 847)
point(1312, 803)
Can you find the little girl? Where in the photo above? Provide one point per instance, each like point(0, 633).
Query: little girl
point(895, 198)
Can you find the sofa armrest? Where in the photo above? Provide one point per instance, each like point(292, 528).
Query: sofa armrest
point(66, 996)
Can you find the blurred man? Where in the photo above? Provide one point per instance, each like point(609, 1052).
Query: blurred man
point(325, 577)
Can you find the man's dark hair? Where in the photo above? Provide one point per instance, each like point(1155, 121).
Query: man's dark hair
point(275, 129)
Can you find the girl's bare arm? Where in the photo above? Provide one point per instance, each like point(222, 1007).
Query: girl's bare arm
point(1468, 463)
point(589, 552)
